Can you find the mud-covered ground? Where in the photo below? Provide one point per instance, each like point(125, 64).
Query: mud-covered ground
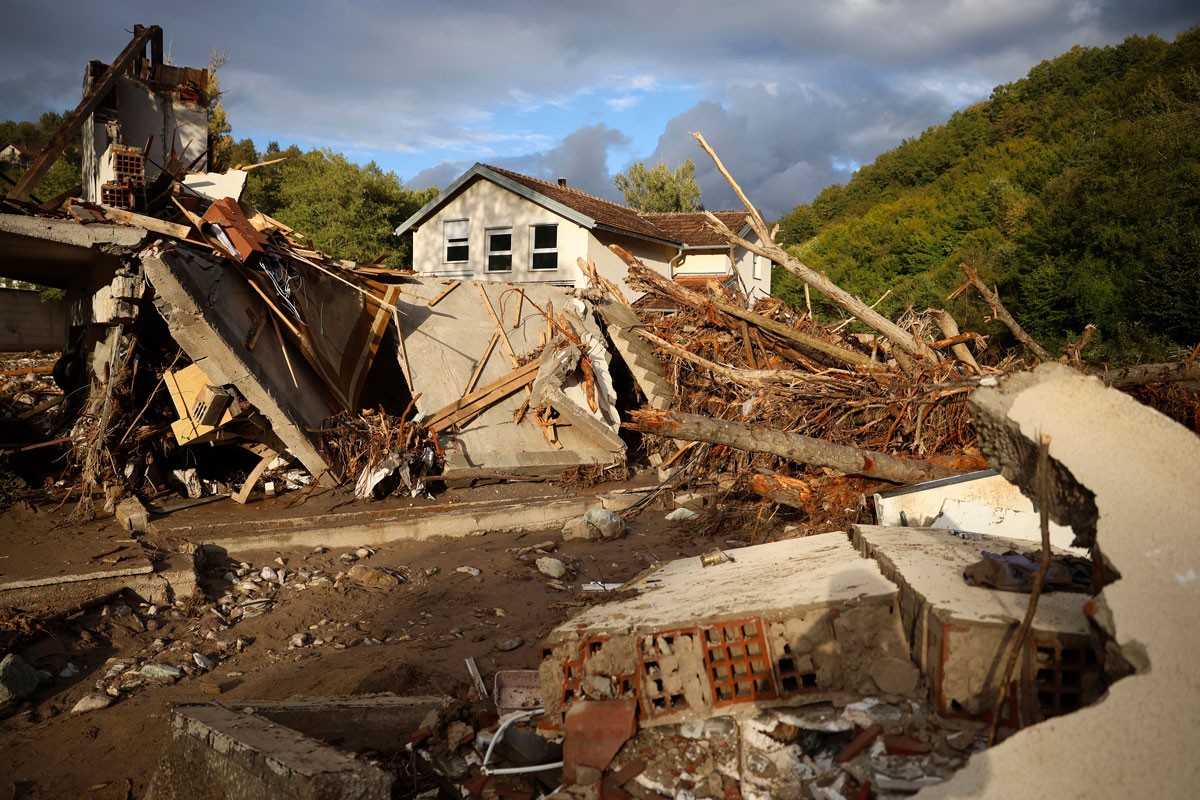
point(403, 624)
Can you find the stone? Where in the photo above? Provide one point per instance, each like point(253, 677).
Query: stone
point(92, 702)
point(682, 515)
point(894, 675)
point(510, 644)
point(164, 673)
point(132, 515)
point(17, 678)
point(458, 734)
point(551, 567)
point(373, 576)
point(472, 571)
point(203, 661)
point(578, 529)
point(609, 524)
point(268, 574)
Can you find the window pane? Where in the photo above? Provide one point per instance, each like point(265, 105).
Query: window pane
point(545, 237)
point(545, 260)
point(500, 240)
point(499, 262)
point(457, 252)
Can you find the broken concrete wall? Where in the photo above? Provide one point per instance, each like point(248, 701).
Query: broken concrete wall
point(1130, 473)
point(782, 623)
point(211, 311)
point(213, 751)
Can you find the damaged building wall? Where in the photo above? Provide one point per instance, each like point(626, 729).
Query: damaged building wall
point(476, 206)
point(143, 113)
point(1141, 469)
point(27, 322)
point(211, 312)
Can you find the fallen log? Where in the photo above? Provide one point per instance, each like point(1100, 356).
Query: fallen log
point(780, 489)
point(793, 446)
point(1143, 374)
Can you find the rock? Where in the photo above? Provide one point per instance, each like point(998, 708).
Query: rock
point(299, 640)
point(682, 515)
point(458, 734)
point(364, 552)
point(164, 673)
point(510, 644)
point(609, 524)
point(203, 661)
point(132, 515)
point(373, 576)
point(69, 671)
point(268, 574)
point(579, 529)
point(551, 567)
point(894, 675)
point(92, 702)
point(17, 678)
point(472, 571)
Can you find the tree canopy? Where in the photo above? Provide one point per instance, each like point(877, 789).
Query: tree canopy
point(350, 211)
point(658, 189)
point(1075, 191)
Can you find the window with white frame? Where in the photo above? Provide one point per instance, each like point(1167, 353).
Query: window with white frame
point(457, 247)
point(499, 249)
point(545, 247)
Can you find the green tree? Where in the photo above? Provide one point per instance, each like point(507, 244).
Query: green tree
point(659, 189)
point(350, 211)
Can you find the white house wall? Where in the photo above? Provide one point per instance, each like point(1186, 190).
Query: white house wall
point(485, 205)
point(655, 256)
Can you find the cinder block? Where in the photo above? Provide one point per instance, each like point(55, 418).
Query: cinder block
point(960, 634)
point(783, 623)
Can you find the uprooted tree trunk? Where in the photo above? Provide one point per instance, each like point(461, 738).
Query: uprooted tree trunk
point(792, 446)
point(767, 248)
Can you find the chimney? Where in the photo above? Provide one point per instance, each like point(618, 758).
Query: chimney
point(562, 182)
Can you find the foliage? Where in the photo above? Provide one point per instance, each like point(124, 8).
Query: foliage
point(63, 174)
point(1075, 191)
point(658, 189)
point(350, 211)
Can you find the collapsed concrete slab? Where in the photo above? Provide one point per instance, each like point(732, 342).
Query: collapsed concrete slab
point(961, 634)
point(458, 335)
point(1127, 474)
point(210, 310)
point(781, 623)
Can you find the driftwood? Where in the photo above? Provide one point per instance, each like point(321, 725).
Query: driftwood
point(949, 328)
point(1144, 374)
point(640, 274)
point(767, 248)
point(793, 446)
point(1000, 313)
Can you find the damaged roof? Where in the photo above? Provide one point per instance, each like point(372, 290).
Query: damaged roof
point(680, 229)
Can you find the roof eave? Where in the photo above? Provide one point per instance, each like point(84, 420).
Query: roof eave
point(481, 171)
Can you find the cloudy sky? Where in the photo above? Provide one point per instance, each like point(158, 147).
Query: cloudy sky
point(793, 95)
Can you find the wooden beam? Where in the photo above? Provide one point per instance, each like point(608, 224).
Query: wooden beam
point(71, 125)
point(149, 223)
point(470, 405)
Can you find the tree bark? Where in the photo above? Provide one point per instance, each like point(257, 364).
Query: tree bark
point(793, 446)
point(1143, 374)
point(1001, 314)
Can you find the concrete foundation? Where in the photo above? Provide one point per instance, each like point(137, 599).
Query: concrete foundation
point(161, 582)
point(783, 623)
point(960, 634)
point(214, 751)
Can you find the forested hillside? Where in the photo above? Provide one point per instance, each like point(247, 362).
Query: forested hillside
point(1075, 190)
